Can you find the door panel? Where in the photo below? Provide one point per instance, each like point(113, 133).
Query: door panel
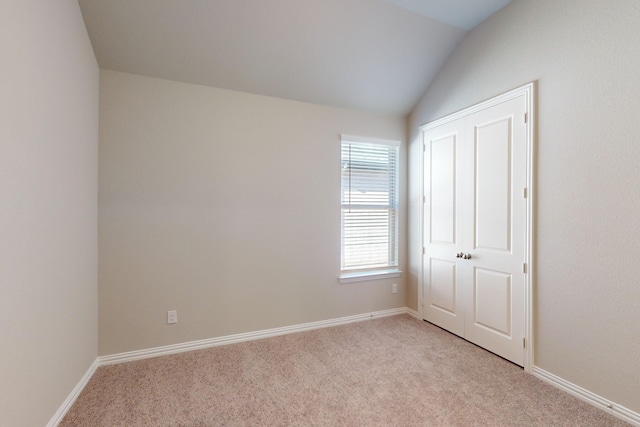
point(497, 216)
point(442, 300)
point(492, 301)
point(443, 189)
point(492, 159)
point(442, 292)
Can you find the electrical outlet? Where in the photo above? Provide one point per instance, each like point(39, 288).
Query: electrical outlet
point(394, 288)
point(172, 316)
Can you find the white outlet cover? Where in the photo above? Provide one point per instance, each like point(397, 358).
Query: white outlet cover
point(172, 316)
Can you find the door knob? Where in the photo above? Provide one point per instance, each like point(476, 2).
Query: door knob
point(466, 256)
point(459, 255)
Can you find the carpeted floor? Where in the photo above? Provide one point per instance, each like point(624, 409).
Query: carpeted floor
point(394, 371)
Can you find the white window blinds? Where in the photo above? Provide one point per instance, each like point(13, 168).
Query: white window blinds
point(369, 204)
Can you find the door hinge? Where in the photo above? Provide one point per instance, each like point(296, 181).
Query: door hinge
point(524, 192)
point(524, 267)
point(526, 117)
point(423, 251)
point(424, 199)
point(424, 147)
point(524, 342)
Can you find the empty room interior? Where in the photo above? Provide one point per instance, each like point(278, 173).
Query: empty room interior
point(184, 181)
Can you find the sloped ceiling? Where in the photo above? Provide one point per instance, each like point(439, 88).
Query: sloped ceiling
point(374, 55)
point(465, 14)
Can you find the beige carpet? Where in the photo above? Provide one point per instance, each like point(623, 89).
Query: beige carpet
point(395, 371)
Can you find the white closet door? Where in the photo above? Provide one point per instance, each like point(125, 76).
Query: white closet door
point(495, 214)
point(443, 301)
point(475, 174)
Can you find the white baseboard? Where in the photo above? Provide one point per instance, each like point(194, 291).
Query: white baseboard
point(614, 409)
point(248, 336)
point(413, 313)
point(66, 405)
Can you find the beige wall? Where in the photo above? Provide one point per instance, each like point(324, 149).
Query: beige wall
point(48, 207)
point(584, 55)
point(224, 206)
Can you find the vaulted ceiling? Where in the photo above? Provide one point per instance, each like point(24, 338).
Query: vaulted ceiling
point(375, 55)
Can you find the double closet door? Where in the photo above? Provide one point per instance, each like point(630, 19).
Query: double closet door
point(475, 226)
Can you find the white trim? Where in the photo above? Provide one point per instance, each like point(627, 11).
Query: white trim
point(529, 91)
point(411, 312)
point(237, 338)
point(421, 249)
point(593, 399)
point(70, 400)
point(529, 88)
point(368, 140)
point(368, 275)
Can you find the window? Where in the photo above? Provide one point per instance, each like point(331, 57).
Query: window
point(369, 199)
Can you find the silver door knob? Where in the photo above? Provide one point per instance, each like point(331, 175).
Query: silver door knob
point(459, 255)
point(466, 256)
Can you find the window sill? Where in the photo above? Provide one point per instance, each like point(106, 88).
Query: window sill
point(369, 275)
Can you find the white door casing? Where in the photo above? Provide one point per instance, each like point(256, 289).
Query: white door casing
point(477, 225)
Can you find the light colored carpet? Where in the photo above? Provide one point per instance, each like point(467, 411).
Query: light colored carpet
point(395, 371)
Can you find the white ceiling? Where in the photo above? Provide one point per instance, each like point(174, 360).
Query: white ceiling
point(376, 55)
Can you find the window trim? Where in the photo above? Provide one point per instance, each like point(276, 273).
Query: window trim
point(373, 273)
point(364, 275)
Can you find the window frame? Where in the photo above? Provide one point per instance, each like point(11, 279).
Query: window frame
point(391, 270)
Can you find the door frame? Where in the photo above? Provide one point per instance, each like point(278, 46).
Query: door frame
point(529, 91)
